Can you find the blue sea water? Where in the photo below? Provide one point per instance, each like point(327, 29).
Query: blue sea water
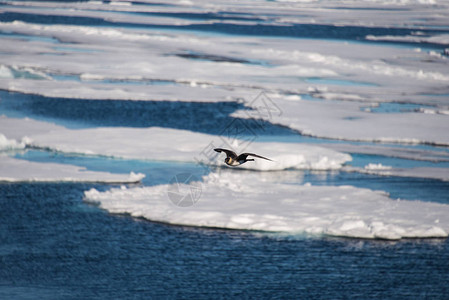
point(53, 245)
point(56, 247)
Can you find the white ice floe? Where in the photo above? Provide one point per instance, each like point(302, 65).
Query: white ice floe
point(5, 72)
point(432, 155)
point(87, 62)
point(166, 144)
point(346, 121)
point(242, 200)
point(17, 170)
point(416, 172)
point(437, 39)
point(377, 167)
point(14, 72)
point(19, 129)
point(181, 145)
point(10, 144)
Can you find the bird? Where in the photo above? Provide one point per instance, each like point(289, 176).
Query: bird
point(233, 160)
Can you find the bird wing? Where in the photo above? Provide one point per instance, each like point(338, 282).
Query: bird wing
point(229, 153)
point(245, 155)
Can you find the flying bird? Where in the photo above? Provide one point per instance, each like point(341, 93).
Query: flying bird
point(233, 160)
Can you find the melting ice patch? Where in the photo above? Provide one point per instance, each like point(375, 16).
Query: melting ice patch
point(242, 200)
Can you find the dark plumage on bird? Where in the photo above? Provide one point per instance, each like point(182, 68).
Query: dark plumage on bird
point(233, 160)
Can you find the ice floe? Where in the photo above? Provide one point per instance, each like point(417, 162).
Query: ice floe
point(377, 167)
point(18, 170)
point(10, 144)
point(437, 39)
point(416, 172)
point(241, 200)
point(164, 144)
point(346, 121)
point(432, 155)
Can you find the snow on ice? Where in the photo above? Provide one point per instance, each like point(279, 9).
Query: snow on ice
point(245, 200)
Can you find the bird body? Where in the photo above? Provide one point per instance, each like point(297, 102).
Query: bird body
point(233, 160)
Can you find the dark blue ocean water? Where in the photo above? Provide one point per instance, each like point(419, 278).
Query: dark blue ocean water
point(56, 247)
point(53, 245)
